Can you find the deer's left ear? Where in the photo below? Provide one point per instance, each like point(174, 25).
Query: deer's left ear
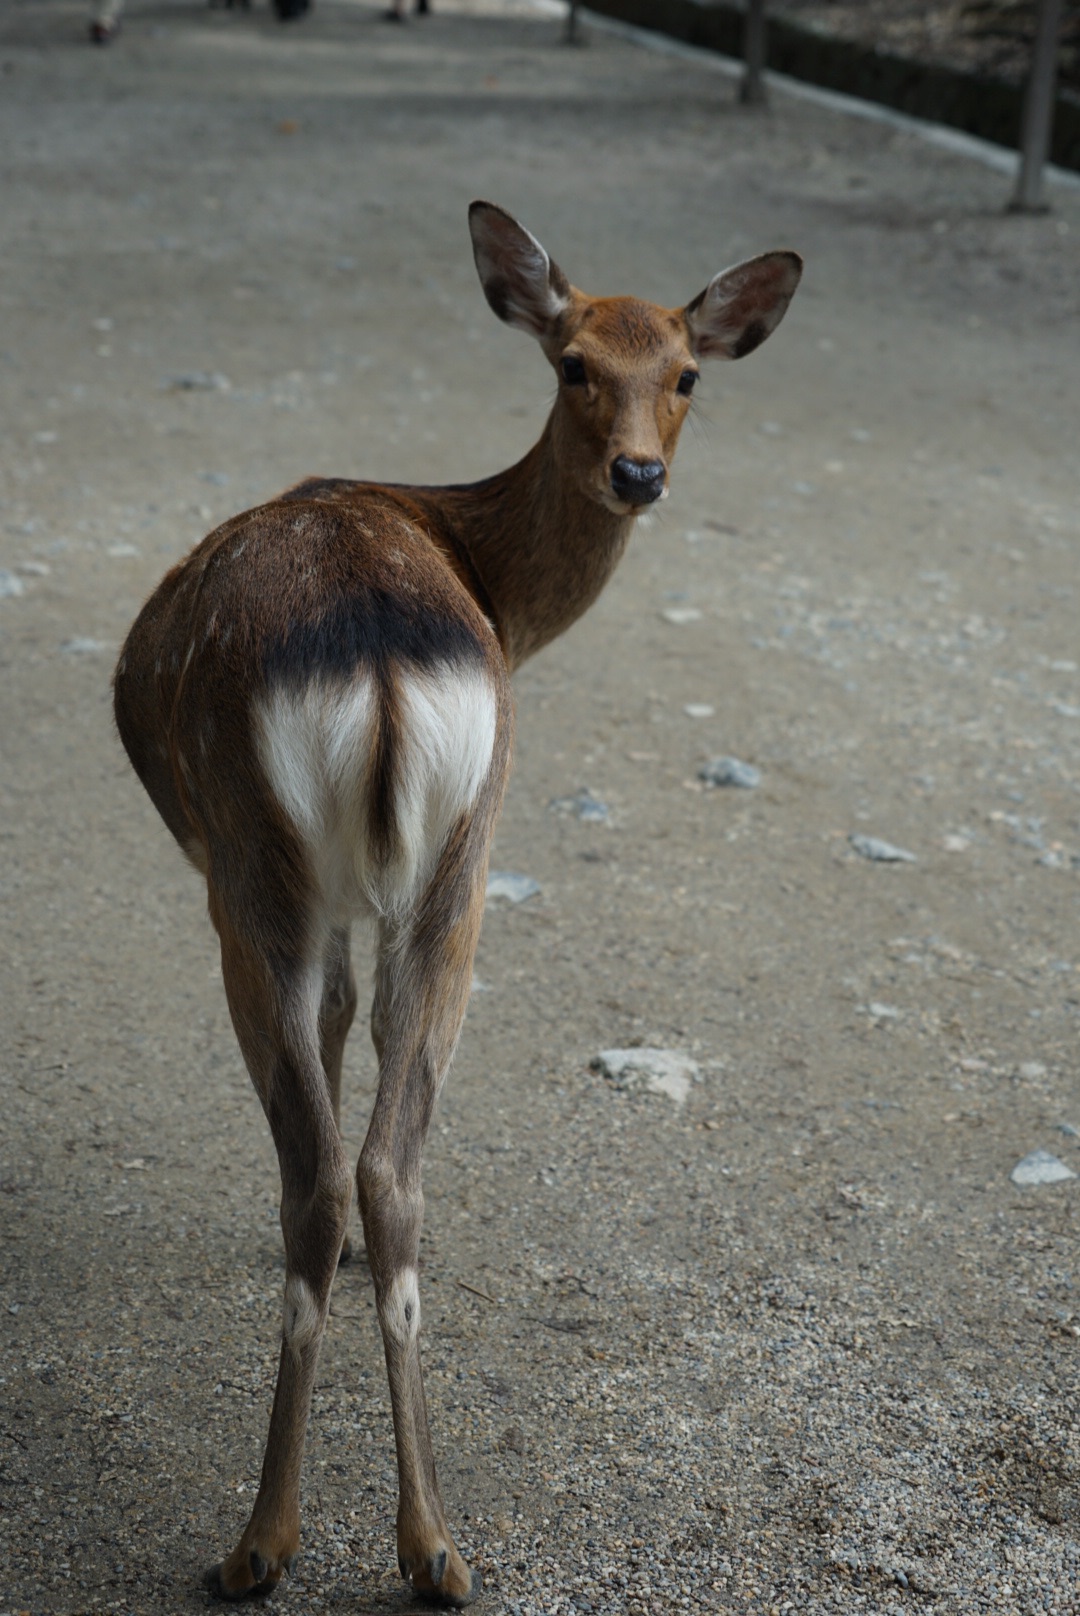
point(742, 306)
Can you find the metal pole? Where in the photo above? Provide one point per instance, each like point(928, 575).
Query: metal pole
point(752, 89)
point(573, 32)
point(1038, 111)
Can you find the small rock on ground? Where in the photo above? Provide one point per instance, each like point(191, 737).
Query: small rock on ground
point(1040, 1168)
point(582, 805)
point(652, 1071)
point(730, 771)
point(879, 852)
point(513, 888)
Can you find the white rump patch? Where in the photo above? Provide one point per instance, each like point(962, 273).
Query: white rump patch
point(316, 747)
point(312, 743)
point(399, 1314)
point(303, 1322)
point(448, 736)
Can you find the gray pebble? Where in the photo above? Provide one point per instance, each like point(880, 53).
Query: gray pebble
point(513, 888)
point(1040, 1168)
point(582, 805)
point(872, 847)
point(10, 585)
point(198, 381)
point(730, 771)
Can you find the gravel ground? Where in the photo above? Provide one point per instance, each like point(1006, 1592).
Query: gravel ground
point(799, 1343)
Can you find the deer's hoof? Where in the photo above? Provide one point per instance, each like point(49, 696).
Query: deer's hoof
point(443, 1579)
point(246, 1574)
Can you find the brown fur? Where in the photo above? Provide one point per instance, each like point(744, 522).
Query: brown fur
point(338, 581)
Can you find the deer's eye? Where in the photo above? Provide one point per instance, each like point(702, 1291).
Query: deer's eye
point(687, 382)
point(573, 371)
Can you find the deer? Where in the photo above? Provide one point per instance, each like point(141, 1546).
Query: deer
point(317, 700)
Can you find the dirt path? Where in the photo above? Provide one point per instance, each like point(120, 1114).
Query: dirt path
point(799, 1344)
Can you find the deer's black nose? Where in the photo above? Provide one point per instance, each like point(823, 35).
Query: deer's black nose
point(638, 482)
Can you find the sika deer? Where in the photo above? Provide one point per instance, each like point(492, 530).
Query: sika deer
point(318, 702)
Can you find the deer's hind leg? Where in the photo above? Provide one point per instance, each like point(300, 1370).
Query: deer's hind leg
point(423, 979)
point(275, 987)
point(336, 1014)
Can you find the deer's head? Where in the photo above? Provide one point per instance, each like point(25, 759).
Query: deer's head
point(626, 369)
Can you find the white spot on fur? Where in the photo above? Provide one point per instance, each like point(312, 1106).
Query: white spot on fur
point(303, 1321)
point(399, 1313)
point(316, 747)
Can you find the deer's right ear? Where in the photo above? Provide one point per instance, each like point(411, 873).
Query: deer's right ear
point(520, 281)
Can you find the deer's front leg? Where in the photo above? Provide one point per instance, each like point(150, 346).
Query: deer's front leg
point(278, 1029)
point(421, 992)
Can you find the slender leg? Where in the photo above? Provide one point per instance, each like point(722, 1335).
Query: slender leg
point(336, 1015)
point(336, 1012)
point(423, 977)
point(275, 1011)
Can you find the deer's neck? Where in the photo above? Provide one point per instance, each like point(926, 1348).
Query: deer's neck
point(541, 549)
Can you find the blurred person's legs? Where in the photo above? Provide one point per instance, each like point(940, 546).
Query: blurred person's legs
point(104, 20)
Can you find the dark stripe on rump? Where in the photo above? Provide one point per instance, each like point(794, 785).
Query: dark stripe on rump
point(369, 627)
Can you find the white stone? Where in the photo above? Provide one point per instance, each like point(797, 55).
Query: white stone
point(652, 1071)
point(872, 847)
point(1040, 1168)
point(513, 888)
